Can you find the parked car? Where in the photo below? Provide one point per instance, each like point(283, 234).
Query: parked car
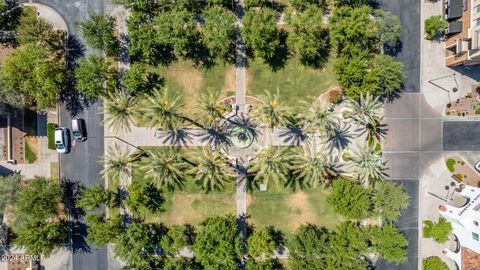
point(79, 129)
point(62, 140)
point(477, 166)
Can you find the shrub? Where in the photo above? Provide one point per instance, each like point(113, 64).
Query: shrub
point(435, 25)
point(477, 111)
point(51, 136)
point(448, 113)
point(434, 263)
point(450, 162)
point(438, 231)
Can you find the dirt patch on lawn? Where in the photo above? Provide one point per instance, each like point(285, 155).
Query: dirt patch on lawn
point(301, 210)
point(229, 84)
point(182, 211)
point(186, 76)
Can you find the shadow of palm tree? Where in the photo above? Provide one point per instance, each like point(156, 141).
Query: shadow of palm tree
point(340, 136)
point(217, 137)
point(180, 137)
point(243, 121)
point(294, 135)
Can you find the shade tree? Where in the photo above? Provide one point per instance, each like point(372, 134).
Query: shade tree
point(390, 200)
point(94, 197)
point(9, 190)
point(350, 199)
point(176, 238)
point(218, 244)
point(389, 243)
point(260, 32)
point(389, 27)
point(98, 32)
point(102, 231)
point(349, 244)
point(308, 248)
point(143, 197)
point(219, 32)
point(260, 245)
point(255, 3)
point(95, 76)
point(32, 74)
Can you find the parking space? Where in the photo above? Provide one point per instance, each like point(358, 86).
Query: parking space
point(402, 165)
point(461, 135)
point(402, 135)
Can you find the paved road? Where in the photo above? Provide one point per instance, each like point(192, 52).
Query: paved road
point(461, 135)
point(81, 165)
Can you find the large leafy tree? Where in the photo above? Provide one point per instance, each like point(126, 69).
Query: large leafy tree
point(102, 231)
point(313, 167)
point(142, 33)
point(211, 171)
point(353, 29)
point(177, 238)
point(138, 80)
point(349, 243)
point(219, 32)
point(143, 197)
point(260, 32)
point(367, 164)
point(350, 199)
point(350, 3)
point(39, 237)
point(301, 5)
point(93, 197)
point(309, 38)
point(385, 76)
point(271, 164)
point(95, 76)
point(38, 224)
point(162, 109)
point(181, 264)
point(165, 167)
point(119, 109)
point(117, 162)
point(389, 26)
point(389, 200)
point(389, 243)
point(272, 110)
point(218, 244)
point(177, 31)
point(31, 73)
point(308, 248)
point(9, 190)
point(260, 245)
point(137, 246)
point(98, 32)
point(351, 70)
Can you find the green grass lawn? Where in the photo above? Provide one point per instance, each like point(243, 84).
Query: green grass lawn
point(287, 210)
point(191, 81)
point(30, 156)
point(295, 81)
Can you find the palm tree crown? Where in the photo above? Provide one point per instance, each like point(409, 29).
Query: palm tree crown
point(272, 110)
point(272, 164)
point(320, 118)
point(165, 167)
point(313, 167)
point(213, 110)
point(119, 111)
point(162, 109)
point(117, 163)
point(366, 110)
point(210, 171)
point(367, 164)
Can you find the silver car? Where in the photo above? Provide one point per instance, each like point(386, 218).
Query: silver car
point(62, 140)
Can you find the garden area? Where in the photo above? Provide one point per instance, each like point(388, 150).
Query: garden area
point(462, 172)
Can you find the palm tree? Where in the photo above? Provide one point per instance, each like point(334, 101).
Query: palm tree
point(366, 110)
point(165, 167)
point(119, 111)
point(162, 109)
point(375, 131)
point(271, 164)
point(320, 118)
point(213, 110)
point(272, 110)
point(117, 163)
point(210, 171)
point(313, 167)
point(367, 164)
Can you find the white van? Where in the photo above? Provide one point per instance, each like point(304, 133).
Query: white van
point(62, 140)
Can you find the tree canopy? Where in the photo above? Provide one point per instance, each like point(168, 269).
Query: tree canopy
point(260, 32)
point(389, 200)
point(95, 76)
point(260, 245)
point(389, 27)
point(435, 25)
point(349, 243)
point(9, 190)
point(102, 231)
point(350, 199)
point(389, 243)
point(98, 32)
point(93, 197)
point(30, 72)
point(219, 32)
point(308, 248)
point(218, 245)
point(439, 231)
point(176, 238)
point(143, 197)
point(434, 263)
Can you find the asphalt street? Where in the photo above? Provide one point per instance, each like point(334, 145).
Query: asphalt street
point(461, 135)
point(403, 142)
point(408, 224)
point(82, 163)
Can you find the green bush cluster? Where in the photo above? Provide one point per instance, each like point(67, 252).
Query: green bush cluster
point(51, 135)
point(438, 231)
point(450, 164)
